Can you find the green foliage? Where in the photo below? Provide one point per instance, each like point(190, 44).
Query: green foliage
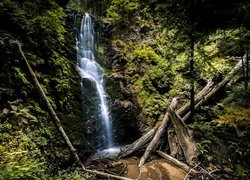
point(30, 146)
point(238, 97)
point(48, 29)
point(204, 146)
point(74, 174)
point(234, 117)
point(146, 54)
point(236, 114)
point(21, 165)
point(202, 132)
point(21, 139)
point(121, 10)
point(242, 173)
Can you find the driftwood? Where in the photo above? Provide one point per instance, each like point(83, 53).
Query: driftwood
point(153, 144)
point(176, 162)
point(138, 143)
point(184, 138)
point(56, 120)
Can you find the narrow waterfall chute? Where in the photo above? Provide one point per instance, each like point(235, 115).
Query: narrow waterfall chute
point(89, 69)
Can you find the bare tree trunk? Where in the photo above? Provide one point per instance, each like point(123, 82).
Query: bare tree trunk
point(152, 145)
point(243, 72)
point(173, 144)
point(57, 122)
point(247, 69)
point(192, 76)
point(176, 162)
point(185, 139)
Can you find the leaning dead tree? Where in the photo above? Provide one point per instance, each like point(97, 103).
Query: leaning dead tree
point(56, 120)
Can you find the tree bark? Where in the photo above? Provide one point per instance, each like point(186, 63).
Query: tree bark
point(173, 144)
point(56, 120)
point(247, 69)
point(176, 162)
point(192, 108)
point(152, 145)
point(184, 137)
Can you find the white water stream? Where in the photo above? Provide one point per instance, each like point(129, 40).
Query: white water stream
point(90, 69)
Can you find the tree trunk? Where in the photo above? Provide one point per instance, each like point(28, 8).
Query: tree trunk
point(174, 146)
point(152, 145)
point(247, 69)
point(184, 137)
point(139, 143)
point(57, 122)
point(192, 76)
point(243, 72)
point(176, 162)
point(218, 87)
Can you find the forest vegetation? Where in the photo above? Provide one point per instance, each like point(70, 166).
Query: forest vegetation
point(152, 52)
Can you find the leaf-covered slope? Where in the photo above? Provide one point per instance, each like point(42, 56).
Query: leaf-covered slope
point(30, 145)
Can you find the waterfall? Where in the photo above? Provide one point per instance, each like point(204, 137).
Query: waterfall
point(91, 70)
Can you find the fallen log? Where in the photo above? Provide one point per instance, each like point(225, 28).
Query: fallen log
point(208, 91)
point(56, 120)
point(138, 143)
point(184, 138)
point(152, 145)
point(218, 86)
point(186, 108)
point(173, 144)
point(176, 162)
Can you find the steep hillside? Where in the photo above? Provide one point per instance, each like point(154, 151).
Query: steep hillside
point(30, 146)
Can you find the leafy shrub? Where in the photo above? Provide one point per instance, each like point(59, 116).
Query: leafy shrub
point(74, 174)
point(234, 117)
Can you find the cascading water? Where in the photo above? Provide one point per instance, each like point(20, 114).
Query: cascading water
point(91, 70)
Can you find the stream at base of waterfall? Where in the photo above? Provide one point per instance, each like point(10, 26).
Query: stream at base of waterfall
point(91, 72)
